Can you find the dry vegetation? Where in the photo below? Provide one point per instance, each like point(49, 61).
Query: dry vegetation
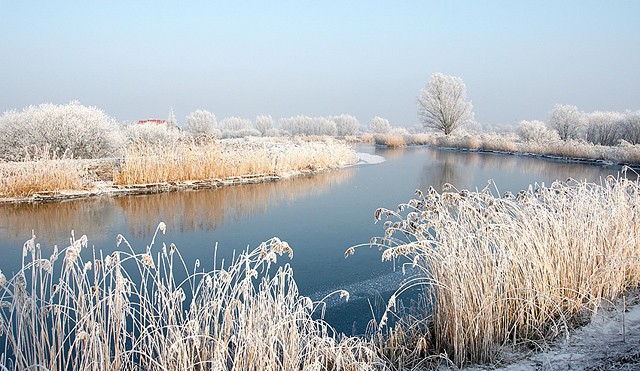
point(521, 269)
point(42, 173)
point(129, 311)
point(210, 159)
point(493, 270)
point(623, 153)
point(180, 161)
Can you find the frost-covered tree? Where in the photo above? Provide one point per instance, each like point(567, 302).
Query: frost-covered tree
point(298, 125)
point(201, 122)
point(345, 124)
point(605, 128)
point(234, 124)
point(535, 131)
point(305, 125)
point(325, 126)
point(567, 121)
point(152, 133)
point(237, 127)
point(172, 122)
point(631, 125)
point(264, 124)
point(442, 104)
point(70, 129)
point(380, 125)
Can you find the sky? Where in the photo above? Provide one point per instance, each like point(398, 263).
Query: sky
point(140, 59)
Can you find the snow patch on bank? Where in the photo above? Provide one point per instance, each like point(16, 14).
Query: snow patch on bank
point(369, 159)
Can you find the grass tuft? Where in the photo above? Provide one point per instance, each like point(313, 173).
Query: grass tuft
point(130, 310)
point(518, 269)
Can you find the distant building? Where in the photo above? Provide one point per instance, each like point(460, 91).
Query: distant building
point(152, 121)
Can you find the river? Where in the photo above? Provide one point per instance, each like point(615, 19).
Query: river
point(320, 216)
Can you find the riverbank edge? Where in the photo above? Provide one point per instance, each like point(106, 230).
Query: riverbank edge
point(108, 189)
point(555, 158)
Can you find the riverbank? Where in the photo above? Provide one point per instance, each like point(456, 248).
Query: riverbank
point(624, 154)
point(148, 168)
point(610, 341)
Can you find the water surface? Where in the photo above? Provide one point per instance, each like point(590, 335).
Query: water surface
point(320, 216)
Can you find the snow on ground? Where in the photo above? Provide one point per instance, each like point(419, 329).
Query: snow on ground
point(368, 158)
point(610, 342)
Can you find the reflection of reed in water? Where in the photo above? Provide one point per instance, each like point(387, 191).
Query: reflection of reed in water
point(444, 167)
point(52, 222)
point(207, 209)
point(447, 166)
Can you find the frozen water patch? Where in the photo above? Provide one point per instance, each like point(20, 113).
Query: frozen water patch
point(366, 289)
point(368, 158)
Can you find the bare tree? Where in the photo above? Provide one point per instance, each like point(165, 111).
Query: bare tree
point(442, 104)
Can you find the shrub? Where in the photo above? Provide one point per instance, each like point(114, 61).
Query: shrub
point(70, 130)
point(497, 270)
point(202, 122)
point(345, 124)
point(535, 131)
point(149, 132)
point(380, 125)
point(264, 124)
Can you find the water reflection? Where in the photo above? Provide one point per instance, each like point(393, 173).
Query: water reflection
point(202, 210)
point(472, 170)
point(320, 216)
point(53, 222)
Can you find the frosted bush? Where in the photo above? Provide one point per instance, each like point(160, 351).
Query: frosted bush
point(380, 125)
point(346, 124)
point(201, 122)
point(150, 132)
point(399, 131)
point(237, 127)
point(234, 123)
point(632, 127)
point(248, 132)
point(264, 124)
point(326, 126)
point(535, 131)
point(69, 129)
point(305, 125)
point(605, 128)
point(567, 121)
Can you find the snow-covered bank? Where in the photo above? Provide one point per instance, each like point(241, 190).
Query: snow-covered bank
point(611, 341)
point(369, 159)
point(147, 168)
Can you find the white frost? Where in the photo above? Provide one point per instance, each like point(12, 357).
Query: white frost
point(368, 158)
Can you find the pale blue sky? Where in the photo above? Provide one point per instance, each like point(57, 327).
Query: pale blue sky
point(137, 59)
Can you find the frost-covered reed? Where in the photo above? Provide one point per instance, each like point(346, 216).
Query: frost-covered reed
point(518, 269)
point(43, 171)
point(623, 152)
point(132, 310)
point(211, 159)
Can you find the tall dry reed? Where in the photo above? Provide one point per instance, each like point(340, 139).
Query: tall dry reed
point(131, 310)
point(517, 269)
point(208, 160)
point(42, 172)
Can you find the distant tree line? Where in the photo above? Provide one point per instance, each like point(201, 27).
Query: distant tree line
point(78, 131)
point(566, 122)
